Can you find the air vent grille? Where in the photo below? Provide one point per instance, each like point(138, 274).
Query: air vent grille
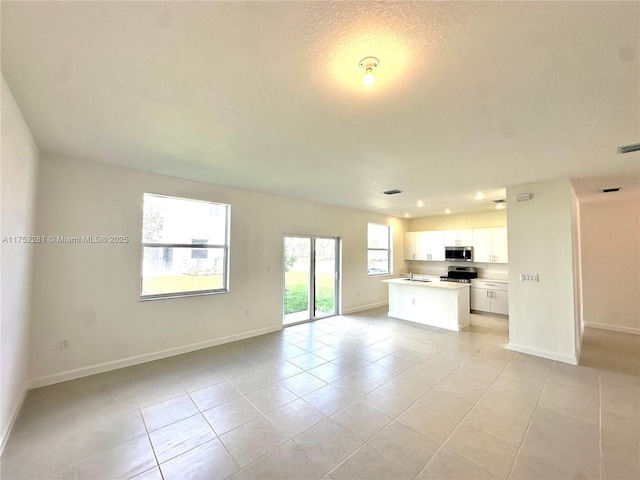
point(610, 190)
point(634, 147)
point(392, 192)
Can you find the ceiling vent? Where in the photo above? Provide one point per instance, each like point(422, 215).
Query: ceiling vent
point(629, 148)
point(392, 192)
point(611, 190)
point(502, 200)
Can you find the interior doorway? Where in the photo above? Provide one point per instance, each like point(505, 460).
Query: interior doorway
point(311, 278)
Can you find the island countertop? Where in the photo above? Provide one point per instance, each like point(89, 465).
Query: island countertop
point(439, 304)
point(422, 283)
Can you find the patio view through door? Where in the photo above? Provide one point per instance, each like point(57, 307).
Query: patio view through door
point(311, 273)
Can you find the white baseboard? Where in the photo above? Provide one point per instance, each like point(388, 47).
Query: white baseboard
point(14, 416)
point(148, 357)
point(613, 328)
point(570, 359)
point(362, 308)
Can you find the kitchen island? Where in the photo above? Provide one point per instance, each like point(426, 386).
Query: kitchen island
point(439, 304)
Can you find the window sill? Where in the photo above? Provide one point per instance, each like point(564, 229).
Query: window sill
point(166, 296)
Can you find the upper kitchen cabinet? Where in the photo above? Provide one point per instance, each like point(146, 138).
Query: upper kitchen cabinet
point(490, 245)
point(424, 245)
point(458, 238)
point(410, 246)
point(430, 245)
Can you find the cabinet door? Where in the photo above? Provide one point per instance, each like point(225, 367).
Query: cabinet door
point(450, 237)
point(480, 299)
point(409, 245)
point(482, 252)
point(429, 246)
point(435, 244)
point(499, 302)
point(499, 245)
point(465, 237)
point(421, 246)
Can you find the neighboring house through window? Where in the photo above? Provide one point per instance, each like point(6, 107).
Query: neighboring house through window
point(185, 245)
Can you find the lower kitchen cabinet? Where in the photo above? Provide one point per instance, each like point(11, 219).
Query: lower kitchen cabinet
point(492, 297)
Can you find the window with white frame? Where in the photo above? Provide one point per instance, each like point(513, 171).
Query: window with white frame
point(378, 249)
point(185, 247)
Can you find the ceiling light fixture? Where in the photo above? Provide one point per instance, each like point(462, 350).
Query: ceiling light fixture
point(420, 203)
point(479, 196)
point(447, 211)
point(369, 63)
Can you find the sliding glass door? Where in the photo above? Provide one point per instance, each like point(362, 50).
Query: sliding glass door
point(311, 273)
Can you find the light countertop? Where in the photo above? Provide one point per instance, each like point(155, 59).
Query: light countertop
point(445, 285)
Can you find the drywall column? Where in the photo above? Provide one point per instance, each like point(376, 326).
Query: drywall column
point(542, 315)
point(18, 179)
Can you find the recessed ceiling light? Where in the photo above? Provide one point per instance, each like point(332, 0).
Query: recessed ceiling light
point(447, 211)
point(406, 215)
point(420, 203)
point(479, 196)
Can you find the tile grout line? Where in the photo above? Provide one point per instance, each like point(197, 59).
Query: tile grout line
point(524, 437)
point(467, 414)
point(146, 429)
point(602, 466)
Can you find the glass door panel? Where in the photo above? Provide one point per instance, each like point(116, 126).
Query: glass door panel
point(297, 279)
point(310, 278)
point(325, 262)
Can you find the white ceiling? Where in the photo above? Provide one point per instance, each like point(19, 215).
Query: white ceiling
point(268, 96)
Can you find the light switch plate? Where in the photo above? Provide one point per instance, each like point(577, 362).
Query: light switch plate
point(529, 277)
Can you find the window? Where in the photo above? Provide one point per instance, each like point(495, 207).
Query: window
point(378, 249)
point(185, 247)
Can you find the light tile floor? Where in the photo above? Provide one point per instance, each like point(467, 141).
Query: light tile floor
point(350, 397)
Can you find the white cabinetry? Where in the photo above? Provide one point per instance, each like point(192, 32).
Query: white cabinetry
point(410, 246)
point(430, 245)
point(424, 245)
point(492, 297)
point(458, 238)
point(490, 245)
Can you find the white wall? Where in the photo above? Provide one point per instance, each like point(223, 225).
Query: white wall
point(611, 263)
point(542, 316)
point(88, 294)
point(493, 218)
point(18, 178)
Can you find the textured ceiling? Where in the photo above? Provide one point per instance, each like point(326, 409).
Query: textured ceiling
point(268, 96)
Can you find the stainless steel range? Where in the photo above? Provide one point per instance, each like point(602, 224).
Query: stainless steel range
point(460, 274)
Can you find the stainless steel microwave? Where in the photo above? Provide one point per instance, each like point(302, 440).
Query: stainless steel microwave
point(458, 254)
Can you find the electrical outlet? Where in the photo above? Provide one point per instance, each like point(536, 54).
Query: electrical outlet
point(64, 344)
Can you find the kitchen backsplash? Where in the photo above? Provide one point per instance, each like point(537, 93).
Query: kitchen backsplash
point(494, 271)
